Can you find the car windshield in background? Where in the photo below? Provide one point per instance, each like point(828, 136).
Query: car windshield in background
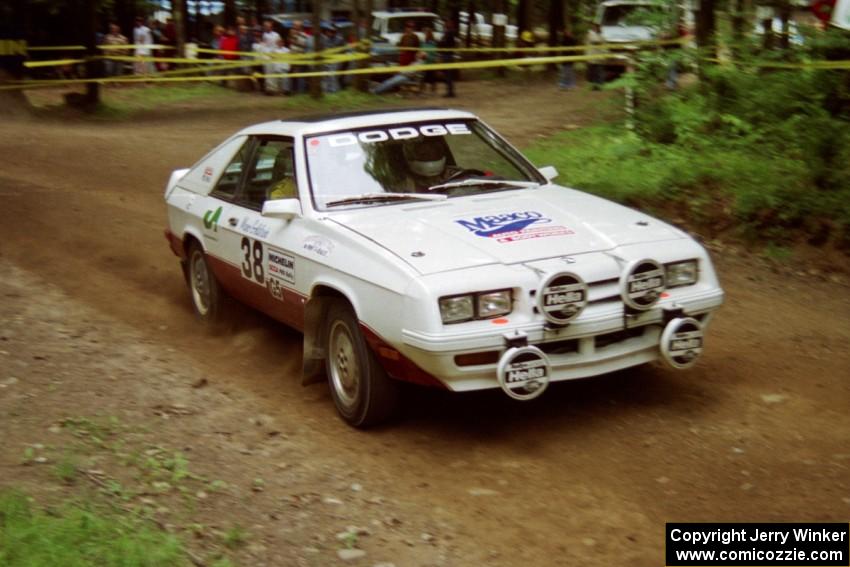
point(396, 25)
point(452, 158)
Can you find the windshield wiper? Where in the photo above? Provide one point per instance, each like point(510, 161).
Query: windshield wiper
point(469, 182)
point(378, 197)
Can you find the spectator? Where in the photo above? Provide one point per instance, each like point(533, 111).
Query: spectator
point(215, 43)
point(298, 45)
point(270, 37)
point(114, 37)
point(274, 65)
point(595, 69)
point(429, 47)
point(411, 75)
point(409, 39)
point(142, 39)
point(229, 44)
point(330, 83)
point(448, 41)
point(567, 74)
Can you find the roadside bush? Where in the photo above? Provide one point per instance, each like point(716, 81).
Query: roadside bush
point(761, 152)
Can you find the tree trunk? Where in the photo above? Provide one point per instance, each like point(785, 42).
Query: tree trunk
point(785, 16)
point(316, 82)
point(261, 9)
point(556, 27)
point(522, 16)
point(706, 26)
point(178, 13)
point(470, 22)
point(229, 12)
point(93, 66)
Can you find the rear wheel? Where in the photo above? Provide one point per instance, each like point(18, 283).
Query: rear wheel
point(207, 295)
point(363, 393)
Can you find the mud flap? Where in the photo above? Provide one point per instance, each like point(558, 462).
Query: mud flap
point(524, 372)
point(682, 342)
point(313, 365)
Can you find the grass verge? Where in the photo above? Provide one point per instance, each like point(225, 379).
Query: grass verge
point(76, 535)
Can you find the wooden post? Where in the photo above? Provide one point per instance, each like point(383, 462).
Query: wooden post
point(316, 82)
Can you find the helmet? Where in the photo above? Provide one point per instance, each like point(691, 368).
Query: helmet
point(426, 157)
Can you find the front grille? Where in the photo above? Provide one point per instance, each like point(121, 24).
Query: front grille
point(559, 347)
point(608, 339)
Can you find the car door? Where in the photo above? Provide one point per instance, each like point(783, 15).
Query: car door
point(263, 247)
point(215, 213)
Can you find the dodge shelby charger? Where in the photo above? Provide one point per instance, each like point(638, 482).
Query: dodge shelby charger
point(420, 246)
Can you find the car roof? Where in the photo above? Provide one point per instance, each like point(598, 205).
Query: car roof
point(318, 123)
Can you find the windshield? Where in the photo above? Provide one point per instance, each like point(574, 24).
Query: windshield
point(452, 158)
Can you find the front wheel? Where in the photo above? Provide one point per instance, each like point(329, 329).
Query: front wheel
point(363, 393)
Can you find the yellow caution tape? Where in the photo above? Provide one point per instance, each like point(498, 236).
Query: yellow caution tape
point(357, 71)
point(134, 46)
point(57, 48)
point(53, 63)
point(609, 58)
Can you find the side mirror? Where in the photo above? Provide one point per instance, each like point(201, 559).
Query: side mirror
point(549, 172)
point(282, 208)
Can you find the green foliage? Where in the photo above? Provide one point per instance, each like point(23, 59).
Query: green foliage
point(77, 535)
point(765, 151)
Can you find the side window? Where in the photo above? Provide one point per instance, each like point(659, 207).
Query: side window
point(228, 183)
point(271, 175)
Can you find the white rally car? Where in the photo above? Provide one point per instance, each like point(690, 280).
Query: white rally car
point(419, 246)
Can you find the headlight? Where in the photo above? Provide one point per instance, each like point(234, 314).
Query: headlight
point(494, 303)
point(484, 305)
point(682, 273)
point(456, 309)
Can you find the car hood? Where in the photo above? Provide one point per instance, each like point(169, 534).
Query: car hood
point(506, 227)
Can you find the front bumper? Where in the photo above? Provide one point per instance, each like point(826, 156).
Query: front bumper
point(604, 339)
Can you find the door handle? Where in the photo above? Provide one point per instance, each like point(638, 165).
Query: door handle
point(232, 221)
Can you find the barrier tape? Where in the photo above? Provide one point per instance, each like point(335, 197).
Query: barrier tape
point(262, 58)
point(482, 64)
point(526, 61)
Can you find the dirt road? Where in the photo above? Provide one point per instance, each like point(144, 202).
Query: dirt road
point(96, 322)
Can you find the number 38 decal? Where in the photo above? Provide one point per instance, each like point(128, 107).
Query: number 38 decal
point(252, 261)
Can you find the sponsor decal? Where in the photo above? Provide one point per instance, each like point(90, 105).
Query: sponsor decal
point(513, 226)
point(208, 174)
point(281, 265)
point(211, 219)
point(318, 244)
point(402, 133)
point(255, 228)
point(562, 297)
point(523, 372)
point(275, 288)
point(682, 342)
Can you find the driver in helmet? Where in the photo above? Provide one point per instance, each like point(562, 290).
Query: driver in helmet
point(426, 159)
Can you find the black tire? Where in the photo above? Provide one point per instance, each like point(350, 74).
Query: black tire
point(363, 393)
point(208, 298)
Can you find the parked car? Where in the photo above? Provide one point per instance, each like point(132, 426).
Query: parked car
point(388, 27)
point(623, 21)
point(420, 246)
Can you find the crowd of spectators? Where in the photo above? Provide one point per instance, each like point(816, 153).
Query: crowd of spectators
point(266, 48)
